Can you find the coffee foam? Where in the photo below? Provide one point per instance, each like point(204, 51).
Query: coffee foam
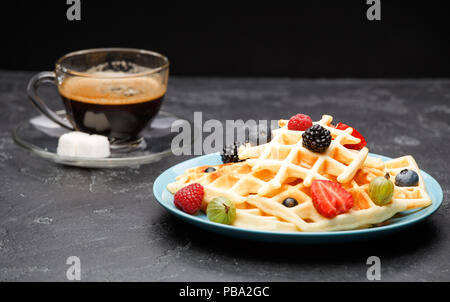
point(112, 91)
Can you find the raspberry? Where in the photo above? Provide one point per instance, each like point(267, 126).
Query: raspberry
point(189, 199)
point(300, 122)
point(356, 134)
point(330, 198)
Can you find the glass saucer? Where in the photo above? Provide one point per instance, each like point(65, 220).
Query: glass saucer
point(40, 136)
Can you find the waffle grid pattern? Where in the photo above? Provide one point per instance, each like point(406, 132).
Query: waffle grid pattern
point(284, 168)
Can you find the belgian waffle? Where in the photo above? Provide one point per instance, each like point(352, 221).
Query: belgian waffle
point(284, 168)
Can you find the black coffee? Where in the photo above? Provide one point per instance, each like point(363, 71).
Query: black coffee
point(119, 108)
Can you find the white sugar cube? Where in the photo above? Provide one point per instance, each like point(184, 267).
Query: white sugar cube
point(78, 144)
point(99, 146)
point(67, 144)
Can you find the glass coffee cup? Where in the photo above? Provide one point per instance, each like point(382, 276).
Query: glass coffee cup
point(114, 92)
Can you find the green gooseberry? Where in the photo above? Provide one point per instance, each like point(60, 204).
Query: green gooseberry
point(221, 210)
point(381, 190)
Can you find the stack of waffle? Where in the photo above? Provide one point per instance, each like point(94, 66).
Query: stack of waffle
point(284, 168)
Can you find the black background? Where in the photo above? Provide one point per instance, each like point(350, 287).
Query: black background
point(226, 38)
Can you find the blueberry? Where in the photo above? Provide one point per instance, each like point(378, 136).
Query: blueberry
point(407, 178)
point(210, 170)
point(290, 202)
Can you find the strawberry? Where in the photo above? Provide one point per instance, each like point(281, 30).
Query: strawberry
point(189, 199)
point(300, 122)
point(330, 198)
point(356, 134)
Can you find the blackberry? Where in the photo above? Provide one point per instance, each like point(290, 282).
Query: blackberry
point(316, 139)
point(230, 154)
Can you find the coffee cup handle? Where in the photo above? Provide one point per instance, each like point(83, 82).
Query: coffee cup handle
point(33, 85)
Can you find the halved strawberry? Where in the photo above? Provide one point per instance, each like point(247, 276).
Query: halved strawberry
point(330, 198)
point(356, 134)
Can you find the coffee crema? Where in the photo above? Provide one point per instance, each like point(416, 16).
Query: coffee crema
point(117, 107)
point(112, 91)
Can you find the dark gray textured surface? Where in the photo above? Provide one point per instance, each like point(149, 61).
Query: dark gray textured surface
point(110, 219)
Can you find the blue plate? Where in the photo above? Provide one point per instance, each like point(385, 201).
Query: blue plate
point(398, 222)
